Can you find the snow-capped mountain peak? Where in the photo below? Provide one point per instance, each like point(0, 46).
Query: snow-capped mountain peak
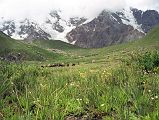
point(53, 27)
point(57, 27)
point(128, 18)
point(112, 27)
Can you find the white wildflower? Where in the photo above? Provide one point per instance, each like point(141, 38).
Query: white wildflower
point(102, 105)
point(152, 98)
point(149, 91)
point(156, 97)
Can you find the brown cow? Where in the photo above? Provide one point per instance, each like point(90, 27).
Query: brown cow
point(73, 64)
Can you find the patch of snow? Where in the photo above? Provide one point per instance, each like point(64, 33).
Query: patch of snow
point(115, 19)
point(62, 36)
point(55, 35)
point(129, 19)
point(87, 21)
point(73, 42)
point(16, 35)
point(5, 32)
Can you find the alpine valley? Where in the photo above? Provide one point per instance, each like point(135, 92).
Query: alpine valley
point(77, 68)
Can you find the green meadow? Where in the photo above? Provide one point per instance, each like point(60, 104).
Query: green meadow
point(119, 82)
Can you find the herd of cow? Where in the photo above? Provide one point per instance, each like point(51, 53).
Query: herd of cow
point(58, 65)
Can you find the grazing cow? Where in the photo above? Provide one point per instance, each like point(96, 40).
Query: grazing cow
point(42, 66)
point(58, 65)
point(61, 65)
point(73, 64)
point(53, 65)
point(67, 65)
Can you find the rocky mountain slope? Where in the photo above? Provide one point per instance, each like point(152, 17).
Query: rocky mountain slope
point(147, 19)
point(114, 27)
point(109, 27)
point(53, 27)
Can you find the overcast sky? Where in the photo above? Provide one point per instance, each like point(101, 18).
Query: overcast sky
point(38, 9)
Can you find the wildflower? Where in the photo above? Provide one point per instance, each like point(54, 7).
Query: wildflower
point(36, 101)
point(79, 99)
point(152, 98)
point(102, 105)
point(72, 84)
point(106, 74)
point(82, 75)
point(149, 91)
point(156, 97)
point(12, 83)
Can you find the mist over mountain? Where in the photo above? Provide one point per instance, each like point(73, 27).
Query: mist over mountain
point(84, 23)
point(38, 9)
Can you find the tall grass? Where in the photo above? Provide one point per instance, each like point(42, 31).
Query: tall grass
point(35, 93)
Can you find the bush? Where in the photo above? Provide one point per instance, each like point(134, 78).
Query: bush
point(149, 61)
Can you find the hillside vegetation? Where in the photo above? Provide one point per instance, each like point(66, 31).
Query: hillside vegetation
point(10, 48)
point(119, 82)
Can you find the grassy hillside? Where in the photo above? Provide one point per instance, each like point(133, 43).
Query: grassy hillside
point(114, 53)
point(150, 42)
point(119, 82)
point(54, 44)
point(29, 52)
point(6, 41)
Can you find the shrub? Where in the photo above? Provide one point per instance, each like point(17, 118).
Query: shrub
point(149, 61)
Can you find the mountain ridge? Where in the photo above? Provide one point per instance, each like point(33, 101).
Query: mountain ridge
point(114, 27)
point(135, 21)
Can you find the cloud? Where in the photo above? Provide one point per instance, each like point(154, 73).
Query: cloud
point(144, 4)
point(38, 9)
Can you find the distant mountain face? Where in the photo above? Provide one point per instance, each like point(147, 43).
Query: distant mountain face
point(114, 27)
point(147, 19)
point(53, 27)
point(25, 29)
point(107, 28)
